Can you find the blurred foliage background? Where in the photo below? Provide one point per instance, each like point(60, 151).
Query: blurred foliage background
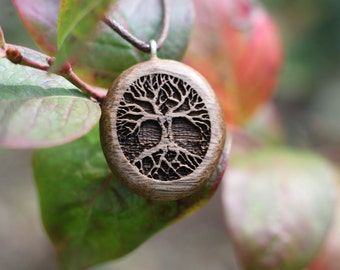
point(308, 100)
point(308, 94)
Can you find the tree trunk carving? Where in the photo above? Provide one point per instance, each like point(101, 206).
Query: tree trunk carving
point(163, 127)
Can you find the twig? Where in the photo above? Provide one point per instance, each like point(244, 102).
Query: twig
point(67, 72)
point(16, 57)
point(2, 40)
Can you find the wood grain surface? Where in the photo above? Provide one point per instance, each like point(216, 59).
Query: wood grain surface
point(162, 129)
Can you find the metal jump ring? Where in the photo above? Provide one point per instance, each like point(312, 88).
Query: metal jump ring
point(153, 48)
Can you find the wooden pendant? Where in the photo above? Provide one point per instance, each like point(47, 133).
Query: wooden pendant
point(162, 129)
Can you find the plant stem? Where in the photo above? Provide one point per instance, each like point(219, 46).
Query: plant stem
point(15, 56)
point(2, 44)
point(2, 40)
point(67, 72)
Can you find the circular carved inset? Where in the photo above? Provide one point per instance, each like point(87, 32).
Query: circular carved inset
point(163, 127)
point(162, 130)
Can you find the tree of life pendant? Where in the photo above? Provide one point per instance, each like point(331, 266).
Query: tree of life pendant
point(162, 129)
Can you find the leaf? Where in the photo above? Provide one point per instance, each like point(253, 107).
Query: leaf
point(236, 46)
point(2, 53)
point(89, 215)
point(77, 22)
point(106, 55)
point(279, 204)
point(40, 17)
point(41, 110)
point(328, 257)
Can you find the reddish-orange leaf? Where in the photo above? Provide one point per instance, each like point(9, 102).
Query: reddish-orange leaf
point(236, 46)
point(40, 18)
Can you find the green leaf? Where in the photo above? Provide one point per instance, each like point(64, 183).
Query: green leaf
point(89, 215)
point(279, 204)
point(106, 55)
point(39, 109)
point(77, 22)
point(2, 53)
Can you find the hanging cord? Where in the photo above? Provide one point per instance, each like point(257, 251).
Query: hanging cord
point(140, 44)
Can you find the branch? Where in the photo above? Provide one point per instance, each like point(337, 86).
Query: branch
point(173, 109)
point(95, 92)
point(123, 123)
point(2, 40)
point(16, 57)
point(199, 121)
point(142, 98)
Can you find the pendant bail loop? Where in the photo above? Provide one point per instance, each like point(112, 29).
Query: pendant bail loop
point(153, 48)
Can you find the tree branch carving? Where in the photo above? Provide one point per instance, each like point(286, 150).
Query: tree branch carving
point(163, 127)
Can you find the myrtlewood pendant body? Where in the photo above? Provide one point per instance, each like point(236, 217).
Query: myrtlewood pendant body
point(162, 129)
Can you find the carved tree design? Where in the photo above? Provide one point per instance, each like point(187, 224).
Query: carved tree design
point(163, 127)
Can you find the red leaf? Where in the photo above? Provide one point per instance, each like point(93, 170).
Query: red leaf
point(40, 18)
point(236, 46)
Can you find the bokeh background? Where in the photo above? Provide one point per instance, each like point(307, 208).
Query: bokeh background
point(308, 95)
point(307, 100)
